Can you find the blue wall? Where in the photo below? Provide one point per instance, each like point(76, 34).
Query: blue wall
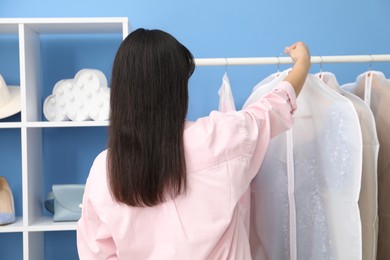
point(209, 29)
point(223, 28)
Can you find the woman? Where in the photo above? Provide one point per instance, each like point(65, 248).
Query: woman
point(166, 188)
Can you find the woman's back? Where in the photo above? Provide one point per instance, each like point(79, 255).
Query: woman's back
point(223, 152)
point(166, 188)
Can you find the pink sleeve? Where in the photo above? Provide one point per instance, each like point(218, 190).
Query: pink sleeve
point(276, 108)
point(266, 118)
point(94, 240)
point(240, 138)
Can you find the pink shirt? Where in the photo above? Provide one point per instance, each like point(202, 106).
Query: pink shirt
point(223, 153)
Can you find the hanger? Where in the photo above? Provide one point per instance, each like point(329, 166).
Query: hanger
point(278, 71)
point(226, 102)
point(330, 81)
point(226, 64)
point(320, 74)
point(328, 78)
point(370, 66)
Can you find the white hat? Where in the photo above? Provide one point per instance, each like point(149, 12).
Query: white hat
point(9, 99)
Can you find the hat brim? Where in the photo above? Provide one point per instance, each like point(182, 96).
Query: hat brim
point(13, 106)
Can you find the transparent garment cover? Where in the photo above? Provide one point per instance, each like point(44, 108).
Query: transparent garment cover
point(226, 100)
point(323, 180)
point(226, 104)
point(368, 199)
point(374, 89)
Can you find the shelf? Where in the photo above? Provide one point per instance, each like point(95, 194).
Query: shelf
point(10, 125)
point(47, 224)
point(46, 124)
point(67, 124)
point(36, 153)
point(17, 226)
point(67, 25)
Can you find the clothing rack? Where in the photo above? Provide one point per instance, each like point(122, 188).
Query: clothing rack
point(288, 60)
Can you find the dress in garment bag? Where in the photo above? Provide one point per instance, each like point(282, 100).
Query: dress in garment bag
point(304, 200)
point(374, 89)
point(368, 199)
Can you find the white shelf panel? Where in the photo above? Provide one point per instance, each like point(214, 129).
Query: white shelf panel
point(47, 124)
point(17, 226)
point(11, 125)
point(47, 224)
point(28, 32)
point(67, 25)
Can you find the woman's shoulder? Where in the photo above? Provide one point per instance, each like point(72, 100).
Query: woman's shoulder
point(97, 182)
point(100, 160)
point(98, 169)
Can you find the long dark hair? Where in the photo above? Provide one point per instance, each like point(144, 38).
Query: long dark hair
point(149, 102)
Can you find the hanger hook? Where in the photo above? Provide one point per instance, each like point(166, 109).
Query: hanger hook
point(226, 64)
point(372, 60)
point(321, 64)
point(278, 63)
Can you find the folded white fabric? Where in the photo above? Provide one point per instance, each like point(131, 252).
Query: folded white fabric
point(86, 97)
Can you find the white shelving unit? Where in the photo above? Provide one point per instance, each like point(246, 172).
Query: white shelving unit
point(32, 224)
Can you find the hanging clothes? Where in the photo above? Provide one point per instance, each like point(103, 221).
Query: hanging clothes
point(368, 197)
point(374, 89)
point(304, 199)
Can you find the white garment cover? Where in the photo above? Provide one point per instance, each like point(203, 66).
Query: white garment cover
point(368, 199)
point(374, 89)
point(304, 200)
point(226, 100)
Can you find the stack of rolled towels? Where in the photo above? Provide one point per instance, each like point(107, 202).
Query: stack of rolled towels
point(86, 97)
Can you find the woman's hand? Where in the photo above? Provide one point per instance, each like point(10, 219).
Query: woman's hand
point(298, 51)
point(300, 54)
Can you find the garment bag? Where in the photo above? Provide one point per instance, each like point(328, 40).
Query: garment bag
point(368, 205)
point(374, 89)
point(269, 211)
point(226, 104)
point(226, 100)
point(304, 200)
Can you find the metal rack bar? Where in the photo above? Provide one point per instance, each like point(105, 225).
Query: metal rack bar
point(288, 60)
